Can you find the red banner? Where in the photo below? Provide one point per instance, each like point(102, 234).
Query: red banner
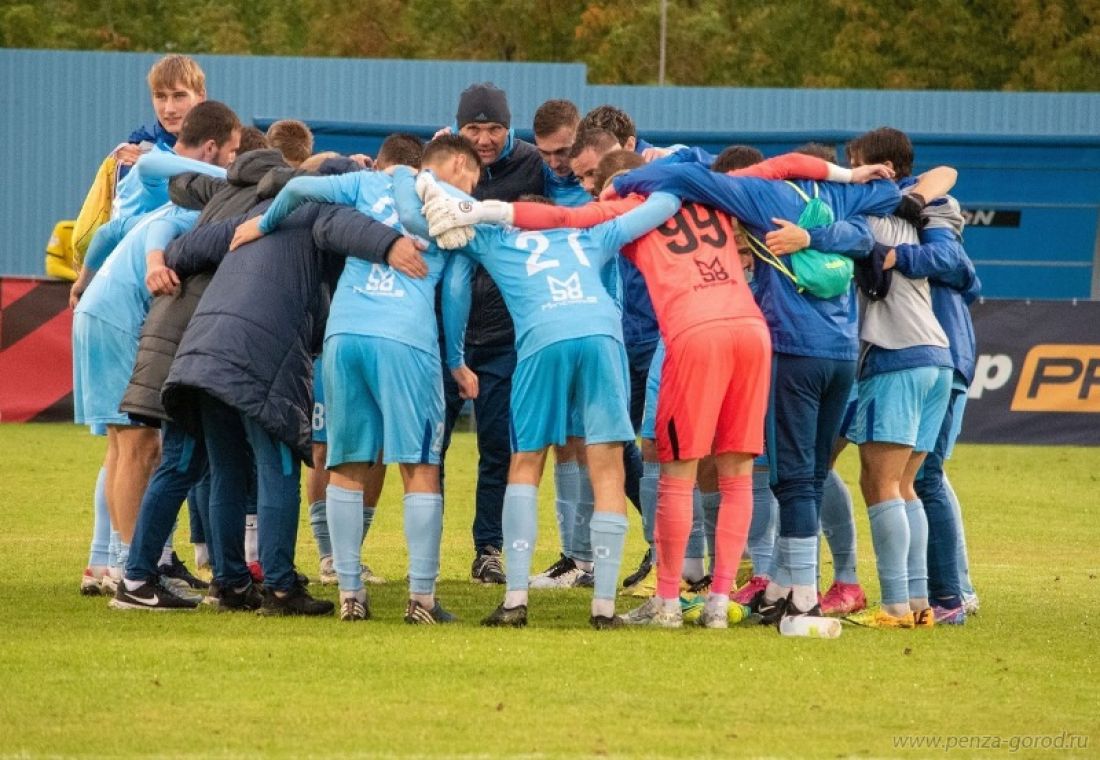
point(36, 364)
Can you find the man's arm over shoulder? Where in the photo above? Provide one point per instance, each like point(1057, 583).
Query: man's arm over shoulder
point(340, 188)
point(541, 216)
point(658, 209)
point(193, 190)
point(346, 232)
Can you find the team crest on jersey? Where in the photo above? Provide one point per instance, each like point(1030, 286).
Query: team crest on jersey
point(381, 281)
point(567, 291)
point(712, 274)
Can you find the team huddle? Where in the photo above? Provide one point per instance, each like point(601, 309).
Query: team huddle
point(245, 306)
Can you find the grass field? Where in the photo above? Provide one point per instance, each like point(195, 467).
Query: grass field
point(79, 679)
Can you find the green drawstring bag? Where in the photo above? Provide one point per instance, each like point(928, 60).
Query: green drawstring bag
point(825, 275)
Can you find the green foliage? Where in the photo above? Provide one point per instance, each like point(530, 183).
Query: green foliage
point(934, 44)
point(82, 680)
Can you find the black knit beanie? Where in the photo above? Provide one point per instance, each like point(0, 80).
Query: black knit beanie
point(483, 102)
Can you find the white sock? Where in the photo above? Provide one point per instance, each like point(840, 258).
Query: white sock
point(251, 540)
point(516, 598)
point(585, 566)
point(361, 595)
point(427, 601)
point(692, 571)
point(718, 604)
point(603, 608)
point(202, 556)
point(774, 592)
point(131, 585)
point(166, 555)
point(804, 597)
point(670, 605)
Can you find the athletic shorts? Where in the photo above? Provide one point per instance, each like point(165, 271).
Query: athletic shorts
point(652, 386)
point(849, 412)
point(958, 408)
point(904, 407)
point(580, 383)
point(382, 396)
point(714, 390)
point(319, 401)
point(103, 363)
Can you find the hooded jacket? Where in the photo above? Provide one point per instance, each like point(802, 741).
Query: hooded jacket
point(250, 341)
point(168, 317)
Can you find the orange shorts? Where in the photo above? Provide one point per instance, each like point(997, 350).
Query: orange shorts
point(714, 390)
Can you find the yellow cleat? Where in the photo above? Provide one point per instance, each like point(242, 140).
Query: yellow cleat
point(744, 573)
point(924, 618)
point(644, 588)
point(877, 618)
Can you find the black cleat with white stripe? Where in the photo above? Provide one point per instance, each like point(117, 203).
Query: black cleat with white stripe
point(150, 595)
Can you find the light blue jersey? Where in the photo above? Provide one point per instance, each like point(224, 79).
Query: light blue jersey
point(552, 280)
point(145, 187)
point(117, 294)
point(372, 299)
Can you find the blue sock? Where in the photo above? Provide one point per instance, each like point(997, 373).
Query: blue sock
point(838, 523)
point(123, 554)
point(520, 521)
point(113, 547)
point(99, 553)
point(345, 532)
point(890, 537)
point(711, 502)
point(761, 542)
point(962, 559)
point(318, 521)
point(917, 565)
point(608, 536)
point(368, 519)
point(423, 532)
point(581, 549)
point(697, 539)
point(647, 490)
point(796, 561)
point(566, 490)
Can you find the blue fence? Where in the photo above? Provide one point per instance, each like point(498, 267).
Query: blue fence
point(1029, 163)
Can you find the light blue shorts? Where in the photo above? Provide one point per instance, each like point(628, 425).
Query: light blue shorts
point(652, 388)
point(904, 407)
point(581, 383)
point(319, 435)
point(103, 362)
point(382, 396)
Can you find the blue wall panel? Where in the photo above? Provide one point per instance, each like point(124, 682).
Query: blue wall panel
point(1036, 153)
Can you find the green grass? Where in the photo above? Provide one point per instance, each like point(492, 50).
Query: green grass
point(79, 679)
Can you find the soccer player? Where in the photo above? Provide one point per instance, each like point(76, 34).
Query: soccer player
point(571, 364)
point(555, 126)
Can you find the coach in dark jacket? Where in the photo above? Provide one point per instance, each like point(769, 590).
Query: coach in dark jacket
point(510, 168)
point(244, 372)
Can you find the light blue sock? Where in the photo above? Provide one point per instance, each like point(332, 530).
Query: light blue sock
point(647, 494)
point(368, 520)
point(890, 537)
point(917, 565)
point(608, 536)
point(711, 502)
point(99, 553)
point(343, 511)
point(963, 560)
point(520, 522)
point(838, 523)
point(423, 532)
point(762, 528)
point(796, 561)
point(566, 490)
point(123, 554)
point(582, 542)
point(113, 548)
point(697, 539)
point(318, 521)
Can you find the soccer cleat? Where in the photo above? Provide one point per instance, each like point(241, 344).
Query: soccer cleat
point(745, 594)
point(91, 584)
point(971, 604)
point(644, 588)
point(112, 579)
point(701, 586)
point(326, 573)
point(562, 574)
point(790, 609)
point(645, 567)
point(744, 572)
point(417, 614)
point(256, 570)
point(296, 601)
point(691, 607)
point(585, 580)
point(247, 599)
point(150, 596)
point(925, 618)
point(949, 615)
point(877, 618)
point(368, 576)
point(176, 573)
point(843, 599)
point(507, 617)
point(653, 612)
point(353, 609)
point(605, 623)
point(486, 567)
point(767, 613)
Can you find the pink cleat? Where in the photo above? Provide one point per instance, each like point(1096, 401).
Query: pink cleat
point(843, 599)
point(745, 594)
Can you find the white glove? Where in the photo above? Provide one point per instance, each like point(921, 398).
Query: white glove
point(446, 212)
point(457, 237)
point(427, 187)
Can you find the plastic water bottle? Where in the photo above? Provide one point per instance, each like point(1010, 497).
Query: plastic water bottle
point(812, 627)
